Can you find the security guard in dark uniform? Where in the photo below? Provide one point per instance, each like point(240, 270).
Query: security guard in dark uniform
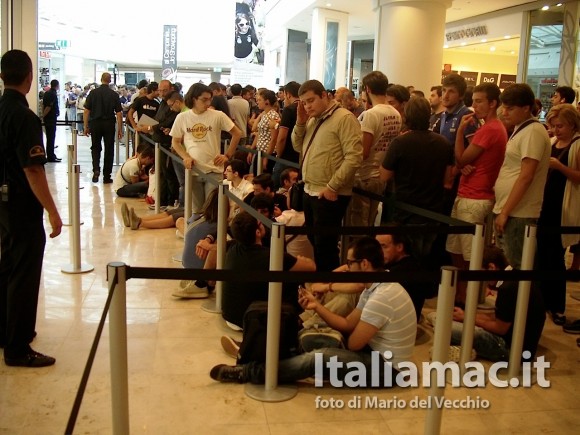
point(101, 108)
point(25, 195)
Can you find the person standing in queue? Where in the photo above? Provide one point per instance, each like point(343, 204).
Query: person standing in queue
point(25, 195)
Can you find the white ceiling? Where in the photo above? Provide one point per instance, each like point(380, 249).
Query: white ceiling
point(129, 31)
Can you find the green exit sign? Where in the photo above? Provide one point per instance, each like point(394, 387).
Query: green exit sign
point(62, 43)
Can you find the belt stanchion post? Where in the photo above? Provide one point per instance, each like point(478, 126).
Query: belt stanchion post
point(271, 392)
point(117, 144)
point(158, 178)
point(472, 297)
point(137, 142)
point(70, 163)
point(188, 206)
point(517, 345)
point(75, 135)
point(215, 305)
point(127, 134)
point(118, 349)
point(75, 234)
point(441, 340)
point(259, 168)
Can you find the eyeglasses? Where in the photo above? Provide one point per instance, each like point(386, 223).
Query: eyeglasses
point(351, 262)
point(244, 24)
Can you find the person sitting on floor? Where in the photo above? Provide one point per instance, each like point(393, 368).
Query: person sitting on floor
point(246, 253)
point(165, 219)
point(238, 185)
point(264, 184)
point(132, 181)
point(383, 321)
point(493, 332)
point(202, 226)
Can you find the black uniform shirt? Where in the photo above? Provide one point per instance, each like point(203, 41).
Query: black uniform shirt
point(21, 146)
point(50, 99)
point(103, 103)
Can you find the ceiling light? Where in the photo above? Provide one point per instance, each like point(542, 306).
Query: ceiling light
point(559, 4)
point(463, 44)
point(445, 46)
point(507, 37)
point(484, 40)
point(328, 5)
point(512, 52)
point(545, 8)
point(492, 48)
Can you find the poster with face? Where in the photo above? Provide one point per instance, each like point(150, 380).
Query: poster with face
point(249, 26)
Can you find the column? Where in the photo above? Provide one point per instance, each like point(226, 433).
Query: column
point(20, 31)
point(328, 52)
point(567, 66)
point(409, 41)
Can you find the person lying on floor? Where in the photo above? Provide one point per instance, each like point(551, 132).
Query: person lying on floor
point(132, 181)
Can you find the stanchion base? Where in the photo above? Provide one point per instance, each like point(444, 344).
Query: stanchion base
point(280, 394)
point(68, 224)
point(177, 257)
point(70, 268)
point(210, 306)
point(575, 295)
point(519, 379)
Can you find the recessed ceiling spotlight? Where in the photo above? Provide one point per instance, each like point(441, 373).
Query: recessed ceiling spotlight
point(328, 5)
point(445, 46)
point(559, 4)
point(512, 52)
point(492, 48)
point(545, 8)
point(507, 37)
point(484, 40)
point(463, 44)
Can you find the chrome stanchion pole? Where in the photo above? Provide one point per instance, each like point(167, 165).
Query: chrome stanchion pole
point(70, 162)
point(259, 168)
point(75, 144)
point(75, 234)
point(118, 349)
point(117, 141)
point(188, 195)
point(157, 178)
point(472, 299)
point(528, 253)
point(215, 305)
point(271, 391)
point(441, 340)
point(127, 138)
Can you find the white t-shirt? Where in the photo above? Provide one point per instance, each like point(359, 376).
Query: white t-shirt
point(201, 135)
point(531, 142)
point(384, 123)
point(123, 176)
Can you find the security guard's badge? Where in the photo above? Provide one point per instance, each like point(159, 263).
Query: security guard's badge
point(36, 151)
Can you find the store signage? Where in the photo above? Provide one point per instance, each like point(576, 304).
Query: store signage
point(62, 43)
point(506, 80)
point(445, 73)
point(44, 54)
point(488, 78)
point(470, 77)
point(470, 32)
point(48, 46)
point(169, 62)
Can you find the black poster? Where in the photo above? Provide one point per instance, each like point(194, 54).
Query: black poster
point(488, 78)
point(470, 77)
point(506, 80)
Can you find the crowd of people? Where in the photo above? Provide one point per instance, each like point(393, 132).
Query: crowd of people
point(489, 158)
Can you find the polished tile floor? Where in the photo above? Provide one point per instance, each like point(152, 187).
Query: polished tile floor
point(173, 344)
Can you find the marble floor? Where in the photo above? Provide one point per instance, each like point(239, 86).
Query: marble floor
point(173, 344)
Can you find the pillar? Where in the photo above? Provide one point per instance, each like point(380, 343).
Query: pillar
point(328, 47)
point(409, 39)
point(567, 65)
point(20, 31)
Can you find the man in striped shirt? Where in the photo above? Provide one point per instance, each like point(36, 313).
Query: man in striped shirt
point(383, 323)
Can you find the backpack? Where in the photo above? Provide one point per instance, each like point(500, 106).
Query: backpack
point(253, 347)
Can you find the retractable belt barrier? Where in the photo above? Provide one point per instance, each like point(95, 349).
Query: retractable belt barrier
point(119, 273)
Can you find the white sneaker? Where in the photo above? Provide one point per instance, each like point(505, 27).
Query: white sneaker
point(430, 318)
point(230, 346)
point(191, 291)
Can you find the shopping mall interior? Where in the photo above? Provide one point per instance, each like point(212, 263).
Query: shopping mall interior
point(173, 343)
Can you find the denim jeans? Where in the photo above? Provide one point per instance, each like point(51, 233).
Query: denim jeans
point(133, 190)
point(487, 345)
point(180, 174)
point(512, 239)
point(303, 366)
point(201, 187)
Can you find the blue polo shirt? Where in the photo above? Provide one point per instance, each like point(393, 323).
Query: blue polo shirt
point(450, 121)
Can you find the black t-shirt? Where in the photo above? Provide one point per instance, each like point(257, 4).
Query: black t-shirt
point(50, 99)
point(21, 146)
point(103, 103)
point(419, 160)
point(416, 290)
point(237, 296)
point(279, 200)
point(505, 309)
point(289, 121)
point(145, 106)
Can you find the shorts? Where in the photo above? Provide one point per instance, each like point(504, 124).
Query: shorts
point(474, 211)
